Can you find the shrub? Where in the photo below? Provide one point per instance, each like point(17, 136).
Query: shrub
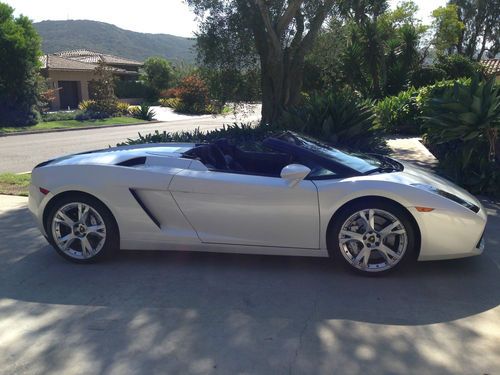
point(171, 93)
point(93, 109)
point(132, 89)
point(339, 118)
point(60, 116)
point(463, 123)
point(458, 66)
point(122, 108)
point(193, 94)
point(169, 102)
point(400, 114)
point(245, 135)
point(143, 112)
point(86, 105)
point(426, 75)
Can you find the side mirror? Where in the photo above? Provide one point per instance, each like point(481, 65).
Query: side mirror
point(294, 173)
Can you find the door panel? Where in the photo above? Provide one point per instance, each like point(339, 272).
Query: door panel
point(68, 94)
point(230, 208)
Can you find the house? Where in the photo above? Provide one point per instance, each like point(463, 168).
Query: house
point(71, 71)
point(492, 68)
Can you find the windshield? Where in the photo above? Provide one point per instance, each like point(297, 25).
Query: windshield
point(361, 163)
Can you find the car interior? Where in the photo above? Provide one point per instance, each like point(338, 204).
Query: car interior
point(225, 157)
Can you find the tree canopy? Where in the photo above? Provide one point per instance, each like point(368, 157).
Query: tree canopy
point(468, 27)
point(278, 33)
point(19, 66)
point(157, 73)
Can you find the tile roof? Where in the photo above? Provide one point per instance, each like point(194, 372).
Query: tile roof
point(492, 66)
point(84, 55)
point(60, 63)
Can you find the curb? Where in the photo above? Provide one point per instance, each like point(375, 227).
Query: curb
point(80, 128)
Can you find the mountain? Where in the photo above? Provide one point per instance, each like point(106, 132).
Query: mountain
point(106, 38)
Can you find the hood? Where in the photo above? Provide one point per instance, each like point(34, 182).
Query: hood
point(118, 155)
point(424, 179)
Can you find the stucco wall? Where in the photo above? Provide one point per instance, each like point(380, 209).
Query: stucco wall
point(83, 77)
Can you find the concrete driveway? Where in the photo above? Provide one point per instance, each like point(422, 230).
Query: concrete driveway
point(192, 313)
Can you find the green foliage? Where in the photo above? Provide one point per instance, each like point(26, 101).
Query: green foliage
point(122, 108)
point(400, 114)
point(60, 116)
point(372, 50)
point(482, 29)
point(447, 28)
point(169, 102)
point(132, 89)
point(463, 124)
point(457, 66)
point(19, 66)
point(142, 112)
point(103, 102)
point(232, 85)
point(92, 109)
point(244, 135)
point(323, 65)
point(157, 73)
point(426, 75)
point(339, 118)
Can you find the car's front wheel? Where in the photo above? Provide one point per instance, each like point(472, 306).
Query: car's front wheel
point(81, 229)
point(373, 237)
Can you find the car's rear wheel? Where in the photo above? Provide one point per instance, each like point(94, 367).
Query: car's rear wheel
point(81, 229)
point(373, 237)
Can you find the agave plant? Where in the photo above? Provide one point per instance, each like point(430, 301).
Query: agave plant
point(463, 124)
point(143, 112)
point(469, 113)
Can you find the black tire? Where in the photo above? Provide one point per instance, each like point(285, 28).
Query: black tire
point(337, 252)
point(111, 240)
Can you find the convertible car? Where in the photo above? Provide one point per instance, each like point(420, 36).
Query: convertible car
point(294, 196)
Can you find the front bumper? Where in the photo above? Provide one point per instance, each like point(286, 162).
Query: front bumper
point(452, 233)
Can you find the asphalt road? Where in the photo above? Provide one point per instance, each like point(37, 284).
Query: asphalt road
point(20, 153)
point(193, 313)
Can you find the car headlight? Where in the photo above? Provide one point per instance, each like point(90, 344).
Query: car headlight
point(471, 206)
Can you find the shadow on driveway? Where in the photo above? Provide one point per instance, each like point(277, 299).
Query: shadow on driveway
point(202, 313)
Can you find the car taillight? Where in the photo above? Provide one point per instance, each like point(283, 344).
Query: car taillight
point(44, 191)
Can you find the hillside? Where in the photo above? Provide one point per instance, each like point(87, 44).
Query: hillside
point(107, 38)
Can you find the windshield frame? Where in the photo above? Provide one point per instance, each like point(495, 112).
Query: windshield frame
point(339, 169)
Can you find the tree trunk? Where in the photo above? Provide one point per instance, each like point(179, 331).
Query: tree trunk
point(282, 67)
point(272, 74)
point(281, 84)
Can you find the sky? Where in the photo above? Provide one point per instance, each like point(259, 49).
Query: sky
point(146, 16)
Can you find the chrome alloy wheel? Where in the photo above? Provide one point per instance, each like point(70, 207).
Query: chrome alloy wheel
point(79, 230)
point(373, 240)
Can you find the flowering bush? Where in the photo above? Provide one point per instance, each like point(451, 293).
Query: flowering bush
point(191, 96)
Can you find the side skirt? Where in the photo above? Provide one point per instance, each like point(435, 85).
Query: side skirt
point(223, 248)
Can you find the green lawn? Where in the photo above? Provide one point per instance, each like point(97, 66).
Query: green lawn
point(14, 184)
point(69, 124)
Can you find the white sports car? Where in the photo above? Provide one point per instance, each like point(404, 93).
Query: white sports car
point(298, 197)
